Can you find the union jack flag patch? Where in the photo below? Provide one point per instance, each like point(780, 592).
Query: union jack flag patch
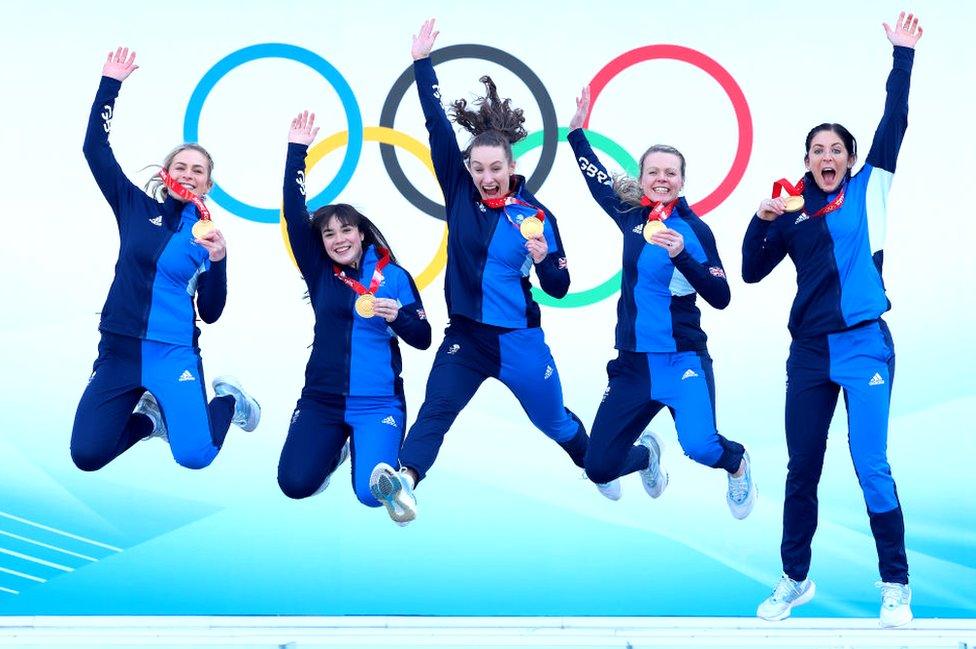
point(716, 271)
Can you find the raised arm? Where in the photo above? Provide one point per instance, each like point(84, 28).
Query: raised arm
point(598, 179)
point(891, 130)
point(305, 243)
point(101, 160)
point(444, 151)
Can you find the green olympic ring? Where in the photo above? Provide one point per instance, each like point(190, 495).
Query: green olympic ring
point(622, 158)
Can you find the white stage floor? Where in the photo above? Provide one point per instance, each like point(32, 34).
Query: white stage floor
point(481, 632)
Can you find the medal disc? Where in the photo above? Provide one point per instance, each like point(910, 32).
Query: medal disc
point(652, 227)
point(794, 203)
point(530, 227)
point(201, 228)
point(364, 305)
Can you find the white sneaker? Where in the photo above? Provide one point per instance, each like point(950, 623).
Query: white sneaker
point(654, 477)
point(343, 454)
point(149, 407)
point(896, 602)
point(742, 492)
point(610, 489)
point(393, 489)
point(786, 595)
point(247, 411)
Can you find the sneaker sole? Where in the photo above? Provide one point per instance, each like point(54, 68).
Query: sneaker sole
point(799, 601)
point(661, 470)
point(387, 491)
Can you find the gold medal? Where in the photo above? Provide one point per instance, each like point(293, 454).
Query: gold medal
point(364, 305)
point(652, 227)
point(794, 203)
point(202, 228)
point(530, 227)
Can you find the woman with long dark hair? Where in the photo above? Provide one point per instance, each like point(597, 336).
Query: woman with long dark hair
point(363, 302)
point(498, 232)
point(832, 226)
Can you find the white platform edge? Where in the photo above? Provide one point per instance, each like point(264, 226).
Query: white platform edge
point(623, 632)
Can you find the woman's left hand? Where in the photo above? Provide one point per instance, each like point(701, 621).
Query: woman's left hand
point(538, 248)
point(386, 308)
point(670, 240)
point(906, 31)
point(214, 242)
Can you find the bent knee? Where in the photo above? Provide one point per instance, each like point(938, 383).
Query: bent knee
point(88, 459)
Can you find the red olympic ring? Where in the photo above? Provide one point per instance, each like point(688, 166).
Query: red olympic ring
point(712, 68)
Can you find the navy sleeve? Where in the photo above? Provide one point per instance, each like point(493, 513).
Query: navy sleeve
point(762, 250)
point(444, 152)
point(108, 174)
point(411, 324)
point(212, 291)
point(894, 122)
point(708, 277)
point(552, 271)
point(305, 244)
point(598, 179)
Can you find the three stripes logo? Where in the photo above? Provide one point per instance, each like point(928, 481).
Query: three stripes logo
point(186, 376)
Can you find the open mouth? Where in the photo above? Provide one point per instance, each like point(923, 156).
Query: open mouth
point(491, 190)
point(829, 175)
point(341, 250)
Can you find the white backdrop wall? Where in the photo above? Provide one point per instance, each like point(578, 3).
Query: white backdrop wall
point(541, 541)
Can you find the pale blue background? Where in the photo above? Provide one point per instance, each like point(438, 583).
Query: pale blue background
point(506, 526)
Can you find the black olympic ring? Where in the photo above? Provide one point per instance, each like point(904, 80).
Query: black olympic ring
point(550, 127)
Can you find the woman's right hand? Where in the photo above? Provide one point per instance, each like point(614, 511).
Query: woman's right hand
point(423, 42)
point(120, 64)
point(303, 129)
point(582, 108)
point(771, 208)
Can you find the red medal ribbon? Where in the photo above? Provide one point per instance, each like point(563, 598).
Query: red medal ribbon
point(797, 190)
point(659, 211)
point(377, 274)
point(185, 194)
point(508, 199)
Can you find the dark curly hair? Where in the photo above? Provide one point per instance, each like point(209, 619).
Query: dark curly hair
point(493, 122)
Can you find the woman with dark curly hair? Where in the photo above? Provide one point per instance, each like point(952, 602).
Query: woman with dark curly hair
point(498, 232)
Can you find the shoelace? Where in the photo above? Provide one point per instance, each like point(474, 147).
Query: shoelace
point(785, 589)
point(738, 488)
point(892, 595)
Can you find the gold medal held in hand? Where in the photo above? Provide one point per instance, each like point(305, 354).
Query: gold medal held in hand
point(202, 228)
point(365, 304)
point(794, 203)
point(653, 227)
point(530, 227)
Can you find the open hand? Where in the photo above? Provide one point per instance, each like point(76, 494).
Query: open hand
point(120, 64)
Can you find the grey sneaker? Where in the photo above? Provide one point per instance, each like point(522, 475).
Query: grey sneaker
point(247, 411)
point(149, 407)
point(786, 595)
point(343, 455)
point(896, 600)
point(392, 488)
point(654, 477)
point(610, 489)
point(742, 492)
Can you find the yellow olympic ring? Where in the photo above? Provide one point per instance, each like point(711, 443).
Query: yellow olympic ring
point(382, 135)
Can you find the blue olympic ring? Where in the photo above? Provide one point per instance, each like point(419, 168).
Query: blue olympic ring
point(191, 123)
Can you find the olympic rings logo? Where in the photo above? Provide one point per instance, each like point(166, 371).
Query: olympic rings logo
point(389, 138)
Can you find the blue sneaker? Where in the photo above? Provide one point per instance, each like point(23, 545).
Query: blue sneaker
point(393, 489)
point(786, 595)
point(247, 411)
point(343, 455)
point(149, 407)
point(654, 477)
point(742, 492)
